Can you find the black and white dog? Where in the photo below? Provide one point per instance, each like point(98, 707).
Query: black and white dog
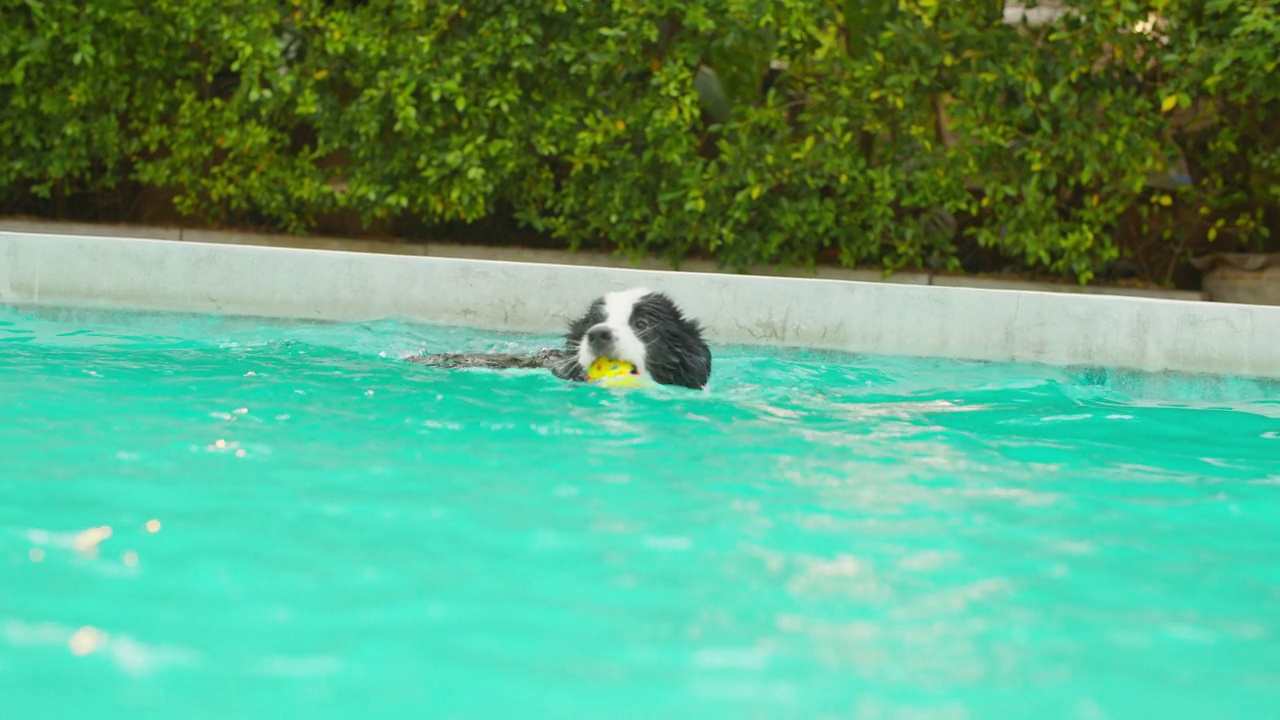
point(638, 326)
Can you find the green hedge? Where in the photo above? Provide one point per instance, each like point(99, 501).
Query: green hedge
point(774, 131)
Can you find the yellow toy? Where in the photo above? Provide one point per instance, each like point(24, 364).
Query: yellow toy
point(612, 372)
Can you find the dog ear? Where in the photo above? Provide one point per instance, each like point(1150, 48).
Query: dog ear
point(578, 327)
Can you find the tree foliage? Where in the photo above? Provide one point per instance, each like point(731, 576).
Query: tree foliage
point(752, 131)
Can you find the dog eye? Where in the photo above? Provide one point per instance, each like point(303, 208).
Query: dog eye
point(641, 324)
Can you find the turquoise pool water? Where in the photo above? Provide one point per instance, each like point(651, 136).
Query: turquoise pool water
point(302, 526)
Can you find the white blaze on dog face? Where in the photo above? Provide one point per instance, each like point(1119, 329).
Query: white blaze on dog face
point(626, 344)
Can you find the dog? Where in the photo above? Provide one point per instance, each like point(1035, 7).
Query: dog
point(641, 327)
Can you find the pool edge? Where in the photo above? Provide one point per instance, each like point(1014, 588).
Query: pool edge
point(1060, 329)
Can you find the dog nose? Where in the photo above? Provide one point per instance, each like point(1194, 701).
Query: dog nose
point(600, 334)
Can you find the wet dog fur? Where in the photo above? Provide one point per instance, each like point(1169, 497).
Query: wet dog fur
point(639, 326)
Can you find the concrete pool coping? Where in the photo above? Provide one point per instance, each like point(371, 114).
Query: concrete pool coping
point(592, 258)
point(1003, 325)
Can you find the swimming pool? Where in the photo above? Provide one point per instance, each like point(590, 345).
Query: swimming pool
point(216, 517)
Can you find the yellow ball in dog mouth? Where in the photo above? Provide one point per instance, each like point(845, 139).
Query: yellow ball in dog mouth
point(611, 370)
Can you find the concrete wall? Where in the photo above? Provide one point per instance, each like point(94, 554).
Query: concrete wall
point(882, 318)
point(561, 257)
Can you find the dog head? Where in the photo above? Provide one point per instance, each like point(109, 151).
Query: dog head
point(647, 330)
